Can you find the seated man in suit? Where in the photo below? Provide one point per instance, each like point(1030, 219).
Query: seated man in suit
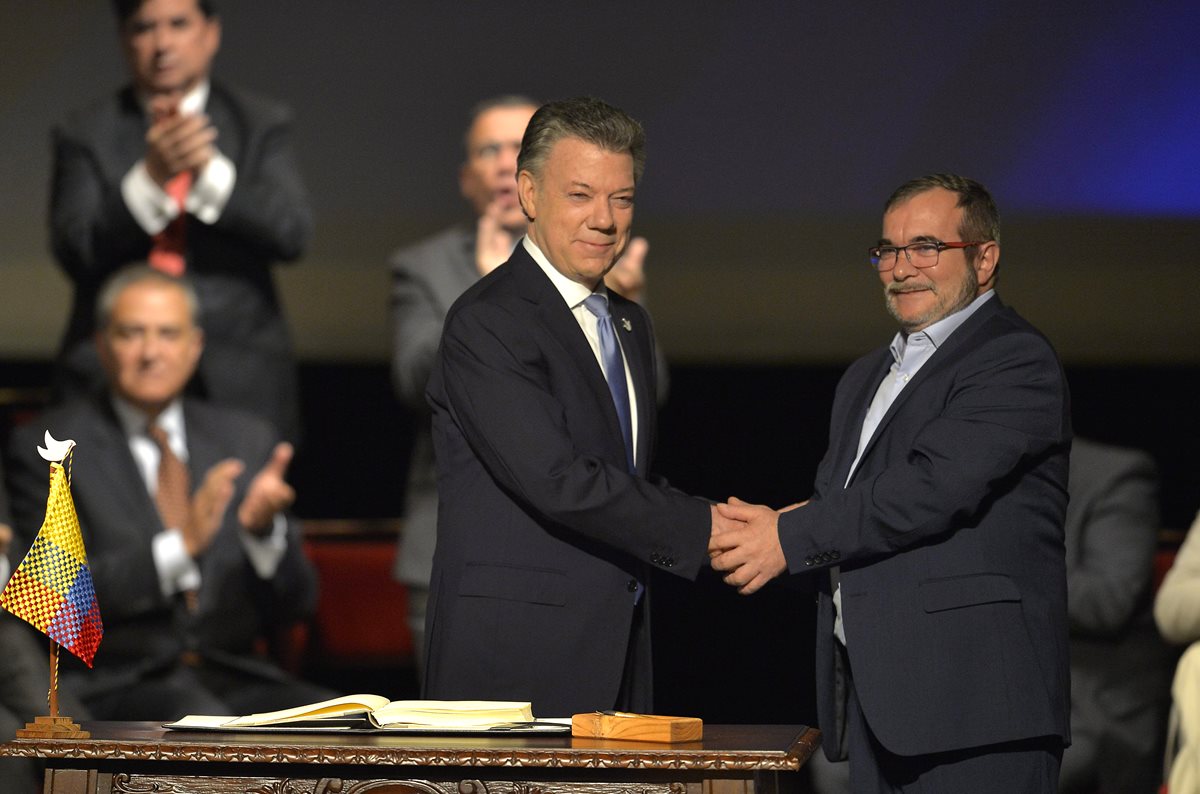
point(183, 508)
point(936, 519)
point(196, 176)
point(543, 398)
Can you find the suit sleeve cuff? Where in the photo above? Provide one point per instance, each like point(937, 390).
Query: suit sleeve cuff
point(148, 203)
point(212, 188)
point(267, 552)
point(177, 571)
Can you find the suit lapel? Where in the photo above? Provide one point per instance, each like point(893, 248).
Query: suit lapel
point(203, 452)
point(635, 344)
point(229, 124)
point(129, 141)
point(117, 475)
point(865, 394)
point(535, 287)
point(944, 354)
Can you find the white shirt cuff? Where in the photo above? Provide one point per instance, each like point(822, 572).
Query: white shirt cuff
point(211, 189)
point(265, 553)
point(5, 570)
point(148, 203)
point(177, 571)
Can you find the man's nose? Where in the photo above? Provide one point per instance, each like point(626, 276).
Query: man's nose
point(601, 216)
point(151, 345)
point(904, 267)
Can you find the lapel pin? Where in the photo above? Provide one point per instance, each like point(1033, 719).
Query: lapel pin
point(625, 324)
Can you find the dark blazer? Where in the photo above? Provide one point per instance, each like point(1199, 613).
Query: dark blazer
point(1120, 667)
point(543, 535)
point(247, 359)
point(143, 630)
point(949, 539)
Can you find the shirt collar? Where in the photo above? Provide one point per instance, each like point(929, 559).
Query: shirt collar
point(572, 292)
point(193, 101)
point(134, 421)
point(937, 334)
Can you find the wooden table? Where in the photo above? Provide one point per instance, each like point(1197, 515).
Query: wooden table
point(142, 757)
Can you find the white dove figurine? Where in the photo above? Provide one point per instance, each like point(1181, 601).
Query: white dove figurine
point(55, 451)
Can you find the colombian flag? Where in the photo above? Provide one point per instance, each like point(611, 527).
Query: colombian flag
point(52, 587)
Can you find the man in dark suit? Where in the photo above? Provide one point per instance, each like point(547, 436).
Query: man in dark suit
point(937, 518)
point(427, 278)
point(1120, 667)
point(198, 177)
point(543, 427)
point(183, 509)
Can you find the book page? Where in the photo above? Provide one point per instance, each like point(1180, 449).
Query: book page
point(337, 707)
point(452, 713)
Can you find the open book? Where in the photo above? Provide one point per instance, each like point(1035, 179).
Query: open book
point(376, 712)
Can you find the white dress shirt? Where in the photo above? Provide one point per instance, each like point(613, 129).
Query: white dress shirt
point(575, 294)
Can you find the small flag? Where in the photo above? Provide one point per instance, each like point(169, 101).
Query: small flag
point(52, 587)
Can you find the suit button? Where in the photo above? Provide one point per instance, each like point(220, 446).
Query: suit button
point(631, 585)
point(808, 561)
point(654, 558)
point(834, 554)
point(668, 561)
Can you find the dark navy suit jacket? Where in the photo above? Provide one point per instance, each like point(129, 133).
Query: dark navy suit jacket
point(949, 539)
point(543, 534)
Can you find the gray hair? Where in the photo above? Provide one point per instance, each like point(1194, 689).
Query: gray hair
point(138, 274)
point(981, 219)
point(589, 119)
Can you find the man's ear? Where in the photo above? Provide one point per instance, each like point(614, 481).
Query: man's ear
point(527, 194)
point(986, 262)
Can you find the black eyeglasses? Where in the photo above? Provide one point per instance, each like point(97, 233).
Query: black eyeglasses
point(923, 254)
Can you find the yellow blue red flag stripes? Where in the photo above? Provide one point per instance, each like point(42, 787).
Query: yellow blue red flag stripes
point(52, 587)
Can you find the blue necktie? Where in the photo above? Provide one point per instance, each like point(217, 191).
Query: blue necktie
point(614, 368)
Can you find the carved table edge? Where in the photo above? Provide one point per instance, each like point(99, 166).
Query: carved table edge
point(640, 759)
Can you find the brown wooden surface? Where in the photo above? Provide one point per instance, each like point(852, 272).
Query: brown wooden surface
point(134, 758)
point(723, 748)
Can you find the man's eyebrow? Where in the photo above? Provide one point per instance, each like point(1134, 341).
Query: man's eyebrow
point(920, 238)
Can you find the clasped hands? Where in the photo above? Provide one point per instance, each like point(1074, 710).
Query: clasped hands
point(176, 142)
point(744, 544)
point(267, 494)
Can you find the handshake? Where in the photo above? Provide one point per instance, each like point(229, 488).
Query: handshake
point(744, 544)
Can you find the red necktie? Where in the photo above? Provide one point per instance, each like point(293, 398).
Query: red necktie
point(167, 253)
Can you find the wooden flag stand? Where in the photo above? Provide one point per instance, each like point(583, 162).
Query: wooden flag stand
point(54, 726)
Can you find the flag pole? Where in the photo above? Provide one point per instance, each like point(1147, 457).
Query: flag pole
point(53, 693)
